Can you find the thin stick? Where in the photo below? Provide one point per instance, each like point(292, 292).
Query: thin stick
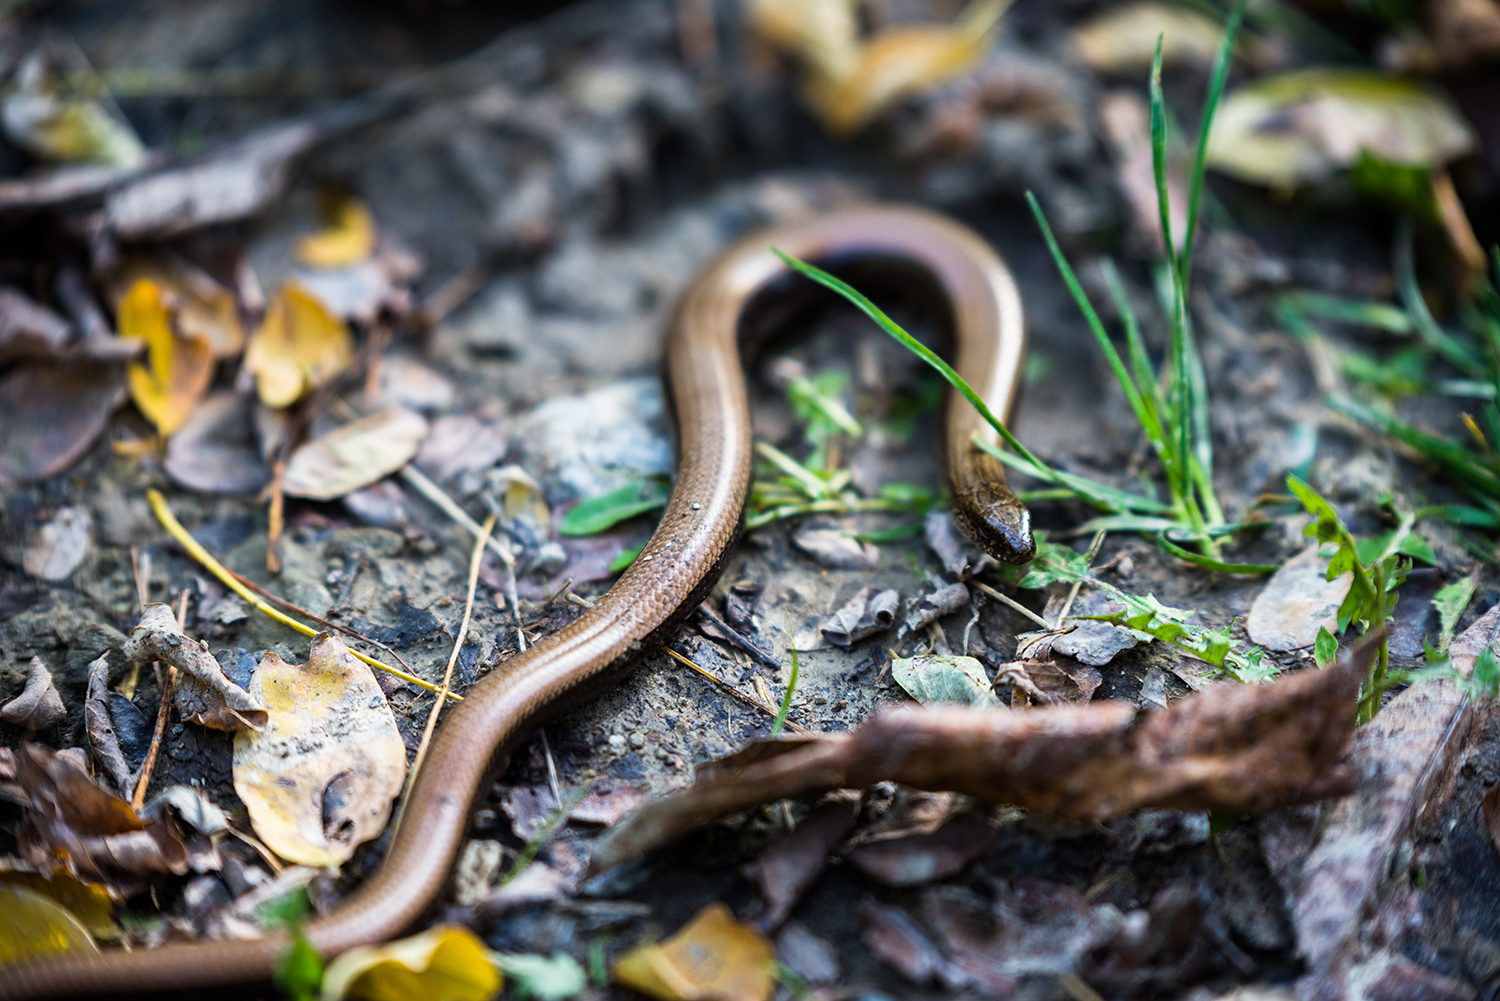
point(749, 699)
point(139, 799)
point(1012, 603)
point(418, 479)
point(195, 549)
point(458, 645)
point(1073, 593)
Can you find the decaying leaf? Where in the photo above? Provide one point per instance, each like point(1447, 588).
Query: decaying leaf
point(299, 345)
point(202, 693)
point(60, 546)
point(216, 450)
point(1238, 748)
point(319, 778)
point(28, 329)
point(355, 455)
point(782, 872)
point(32, 926)
point(1297, 600)
point(546, 978)
point(73, 824)
point(53, 413)
point(348, 236)
point(445, 963)
point(178, 367)
point(1298, 128)
point(1122, 39)
point(825, 33)
point(49, 111)
point(936, 679)
point(38, 706)
point(712, 956)
point(923, 858)
point(931, 607)
point(202, 307)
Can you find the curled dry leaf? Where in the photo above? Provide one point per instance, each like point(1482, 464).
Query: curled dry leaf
point(53, 413)
point(178, 368)
point(355, 455)
point(870, 611)
point(943, 601)
point(1236, 748)
point(33, 925)
point(319, 778)
point(202, 693)
point(445, 963)
point(1298, 128)
point(348, 236)
point(73, 824)
point(60, 546)
point(299, 345)
point(712, 956)
point(38, 706)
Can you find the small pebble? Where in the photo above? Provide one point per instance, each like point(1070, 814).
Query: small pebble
point(617, 743)
point(638, 740)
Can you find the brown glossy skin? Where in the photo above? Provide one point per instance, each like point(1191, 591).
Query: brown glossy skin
point(671, 576)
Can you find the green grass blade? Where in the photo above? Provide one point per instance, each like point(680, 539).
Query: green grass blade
point(921, 351)
point(1159, 155)
point(1208, 562)
point(1140, 360)
point(1428, 329)
point(1217, 77)
point(1101, 495)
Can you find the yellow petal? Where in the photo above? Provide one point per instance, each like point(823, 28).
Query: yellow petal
point(348, 238)
point(445, 963)
point(177, 370)
point(713, 956)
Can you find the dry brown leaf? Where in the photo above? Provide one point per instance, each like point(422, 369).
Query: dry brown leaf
point(1239, 748)
point(355, 455)
point(319, 778)
point(203, 307)
point(38, 706)
point(782, 872)
point(100, 726)
point(216, 451)
point(923, 858)
point(28, 329)
point(348, 236)
point(1296, 601)
point(299, 345)
point(90, 903)
point(53, 413)
point(73, 824)
point(203, 694)
point(445, 963)
point(178, 368)
point(713, 956)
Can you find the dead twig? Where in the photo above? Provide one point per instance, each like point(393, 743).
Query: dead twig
point(747, 699)
point(139, 799)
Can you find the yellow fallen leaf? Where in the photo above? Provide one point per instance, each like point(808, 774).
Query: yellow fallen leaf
point(823, 33)
point(348, 238)
point(299, 345)
point(444, 963)
point(1298, 128)
point(713, 956)
point(204, 308)
point(319, 778)
point(905, 61)
point(32, 926)
point(90, 903)
point(178, 369)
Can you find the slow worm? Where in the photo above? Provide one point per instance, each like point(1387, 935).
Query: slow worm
point(739, 290)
